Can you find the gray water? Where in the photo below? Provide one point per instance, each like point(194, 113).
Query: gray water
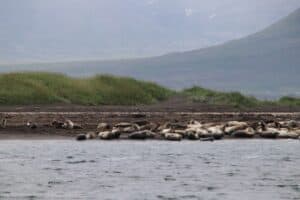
point(229, 169)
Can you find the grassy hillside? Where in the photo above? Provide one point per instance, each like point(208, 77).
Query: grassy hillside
point(48, 88)
point(253, 64)
point(203, 95)
point(236, 99)
point(289, 101)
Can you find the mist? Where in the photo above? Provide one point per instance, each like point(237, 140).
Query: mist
point(59, 30)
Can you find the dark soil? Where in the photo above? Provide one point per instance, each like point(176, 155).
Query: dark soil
point(175, 104)
point(177, 109)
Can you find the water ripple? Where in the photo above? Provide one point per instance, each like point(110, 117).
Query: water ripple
point(228, 170)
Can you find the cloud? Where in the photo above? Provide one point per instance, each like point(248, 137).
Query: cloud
point(188, 12)
point(212, 16)
point(150, 2)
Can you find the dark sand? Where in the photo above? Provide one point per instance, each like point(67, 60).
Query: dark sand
point(176, 109)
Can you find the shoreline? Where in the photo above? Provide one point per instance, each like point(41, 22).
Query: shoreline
point(39, 137)
point(16, 128)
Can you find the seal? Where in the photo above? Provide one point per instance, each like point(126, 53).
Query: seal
point(81, 137)
point(3, 123)
point(31, 125)
point(173, 136)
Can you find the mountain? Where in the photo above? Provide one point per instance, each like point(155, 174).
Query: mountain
point(265, 64)
point(64, 30)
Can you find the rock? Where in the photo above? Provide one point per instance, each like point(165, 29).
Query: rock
point(246, 133)
point(207, 139)
point(173, 136)
point(81, 137)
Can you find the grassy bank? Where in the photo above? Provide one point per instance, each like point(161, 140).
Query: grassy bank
point(235, 99)
point(49, 88)
point(203, 95)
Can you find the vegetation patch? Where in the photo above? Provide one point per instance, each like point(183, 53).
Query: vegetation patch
point(289, 101)
point(236, 99)
point(48, 88)
point(29, 88)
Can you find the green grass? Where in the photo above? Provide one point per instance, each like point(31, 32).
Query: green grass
point(30, 88)
point(289, 101)
point(48, 88)
point(235, 99)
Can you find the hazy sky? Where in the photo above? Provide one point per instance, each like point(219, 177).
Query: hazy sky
point(37, 30)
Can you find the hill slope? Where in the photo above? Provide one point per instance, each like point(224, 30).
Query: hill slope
point(30, 32)
point(265, 64)
point(49, 88)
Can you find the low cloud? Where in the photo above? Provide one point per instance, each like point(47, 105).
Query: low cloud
point(150, 2)
point(188, 12)
point(212, 16)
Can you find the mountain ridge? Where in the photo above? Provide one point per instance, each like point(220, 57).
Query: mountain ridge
point(264, 64)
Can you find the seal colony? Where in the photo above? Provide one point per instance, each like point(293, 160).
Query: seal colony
point(194, 130)
point(171, 126)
